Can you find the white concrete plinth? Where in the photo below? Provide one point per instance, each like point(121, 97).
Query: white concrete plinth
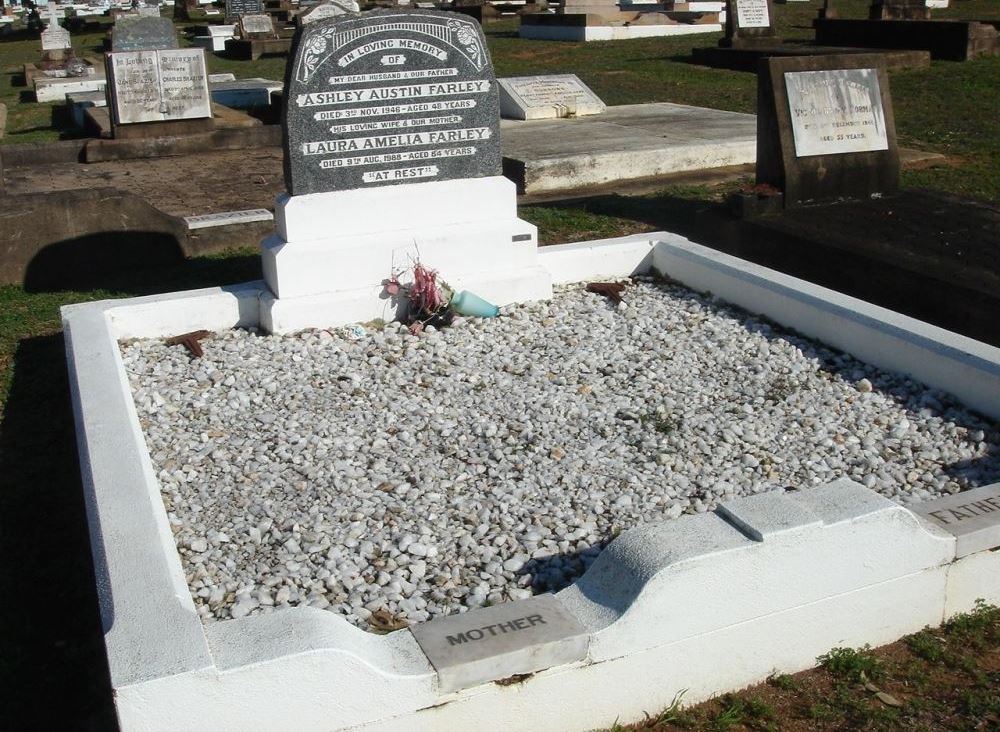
point(708, 603)
point(331, 253)
point(613, 33)
point(55, 90)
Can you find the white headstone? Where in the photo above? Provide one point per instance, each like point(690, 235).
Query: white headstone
point(547, 97)
point(256, 23)
point(836, 111)
point(752, 14)
point(329, 9)
point(158, 86)
point(55, 37)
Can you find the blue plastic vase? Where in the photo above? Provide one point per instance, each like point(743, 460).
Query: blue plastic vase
point(467, 303)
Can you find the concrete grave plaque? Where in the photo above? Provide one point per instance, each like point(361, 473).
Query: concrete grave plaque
point(329, 9)
point(389, 97)
point(545, 97)
point(158, 86)
point(837, 111)
point(236, 8)
point(228, 217)
point(497, 642)
point(256, 24)
point(825, 128)
point(972, 516)
point(136, 33)
point(753, 14)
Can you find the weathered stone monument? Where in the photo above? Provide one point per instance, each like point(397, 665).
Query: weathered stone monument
point(547, 97)
point(899, 10)
point(392, 155)
point(257, 30)
point(56, 43)
point(825, 128)
point(151, 80)
point(256, 26)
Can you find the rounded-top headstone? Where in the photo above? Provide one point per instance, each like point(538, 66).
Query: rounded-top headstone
point(139, 33)
point(389, 97)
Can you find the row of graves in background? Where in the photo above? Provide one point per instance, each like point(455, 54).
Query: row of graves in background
point(605, 20)
point(907, 24)
point(827, 201)
point(750, 36)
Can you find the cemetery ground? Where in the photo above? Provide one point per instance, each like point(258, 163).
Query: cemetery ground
point(944, 679)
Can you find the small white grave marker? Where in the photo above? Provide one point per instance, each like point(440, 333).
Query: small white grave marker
point(547, 97)
point(225, 218)
point(752, 14)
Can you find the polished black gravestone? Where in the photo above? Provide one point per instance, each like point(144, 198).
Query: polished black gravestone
point(387, 98)
point(825, 128)
point(143, 33)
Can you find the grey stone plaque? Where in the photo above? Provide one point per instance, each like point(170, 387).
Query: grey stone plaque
point(256, 24)
point(498, 642)
point(973, 517)
point(546, 97)
point(236, 8)
point(753, 14)
point(835, 112)
point(389, 97)
point(158, 86)
point(137, 33)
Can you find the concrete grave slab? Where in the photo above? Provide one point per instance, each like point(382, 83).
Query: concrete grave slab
point(624, 143)
point(501, 641)
point(972, 517)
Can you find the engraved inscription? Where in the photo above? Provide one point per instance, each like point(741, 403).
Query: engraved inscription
point(970, 510)
point(418, 83)
point(157, 86)
point(835, 112)
point(752, 14)
point(488, 631)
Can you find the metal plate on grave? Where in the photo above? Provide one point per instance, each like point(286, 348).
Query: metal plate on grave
point(159, 86)
point(752, 14)
point(137, 33)
point(835, 112)
point(500, 641)
point(388, 98)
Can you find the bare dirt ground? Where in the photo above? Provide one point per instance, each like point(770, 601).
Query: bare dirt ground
point(191, 185)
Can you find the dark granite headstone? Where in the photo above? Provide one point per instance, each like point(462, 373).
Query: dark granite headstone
point(825, 127)
point(389, 97)
point(236, 8)
point(749, 23)
point(138, 33)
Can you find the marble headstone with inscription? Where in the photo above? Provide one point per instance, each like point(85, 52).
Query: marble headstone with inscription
point(236, 8)
point(138, 33)
point(55, 38)
point(825, 127)
point(749, 23)
point(388, 98)
point(547, 97)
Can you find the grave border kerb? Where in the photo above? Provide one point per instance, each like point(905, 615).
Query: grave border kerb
point(132, 539)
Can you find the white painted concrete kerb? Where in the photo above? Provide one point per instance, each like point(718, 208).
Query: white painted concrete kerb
point(707, 603)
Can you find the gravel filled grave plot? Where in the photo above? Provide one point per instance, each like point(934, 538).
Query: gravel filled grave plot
point(393, 478)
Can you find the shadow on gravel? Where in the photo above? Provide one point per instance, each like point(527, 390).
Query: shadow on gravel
point(53, 671)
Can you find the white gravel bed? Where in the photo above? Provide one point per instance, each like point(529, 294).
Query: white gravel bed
point(396, 478)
